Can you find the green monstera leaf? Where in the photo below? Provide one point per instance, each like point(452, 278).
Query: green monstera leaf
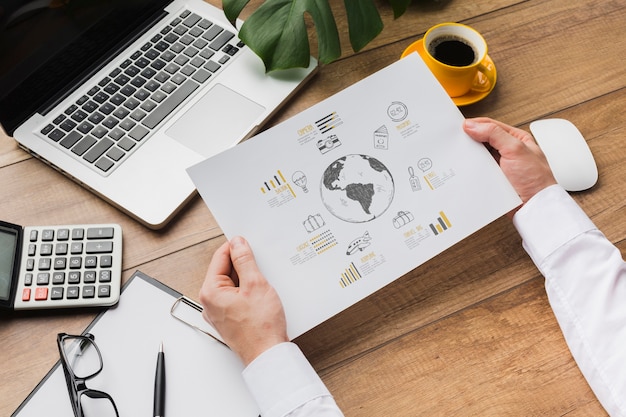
point(276, 30)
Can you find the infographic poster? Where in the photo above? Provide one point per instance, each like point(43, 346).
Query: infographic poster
point(356, 191)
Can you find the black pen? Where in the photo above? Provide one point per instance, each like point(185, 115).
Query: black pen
point(159, 384)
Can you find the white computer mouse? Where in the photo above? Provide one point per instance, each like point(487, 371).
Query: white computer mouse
point(567, 152)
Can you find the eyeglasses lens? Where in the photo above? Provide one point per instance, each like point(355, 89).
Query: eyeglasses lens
point(82, 356)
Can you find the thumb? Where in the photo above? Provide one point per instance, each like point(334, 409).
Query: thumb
point(244, 262)
point(490, 133)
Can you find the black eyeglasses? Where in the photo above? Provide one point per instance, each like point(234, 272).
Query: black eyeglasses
point(81, 360)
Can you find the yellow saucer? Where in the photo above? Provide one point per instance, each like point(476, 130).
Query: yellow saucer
point(484, 83)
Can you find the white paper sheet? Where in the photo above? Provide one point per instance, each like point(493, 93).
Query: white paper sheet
point(356, 191)
point(203, 378)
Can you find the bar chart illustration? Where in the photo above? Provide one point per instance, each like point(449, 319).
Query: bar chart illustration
point(441, 224)
point(349, 276)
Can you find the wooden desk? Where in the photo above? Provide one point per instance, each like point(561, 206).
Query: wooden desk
point(469, 332)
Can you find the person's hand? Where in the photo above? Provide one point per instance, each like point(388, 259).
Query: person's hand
point(239, 302)
point(517, 153)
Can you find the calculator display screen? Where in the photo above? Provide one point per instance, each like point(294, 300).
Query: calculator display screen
point(8, 246)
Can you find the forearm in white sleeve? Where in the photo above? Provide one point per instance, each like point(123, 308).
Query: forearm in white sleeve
point(284, 383)
point(586, 286)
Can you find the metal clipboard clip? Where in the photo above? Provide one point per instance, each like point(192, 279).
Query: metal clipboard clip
point(178, 312)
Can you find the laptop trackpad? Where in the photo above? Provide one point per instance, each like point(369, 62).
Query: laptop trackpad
point(216, 122)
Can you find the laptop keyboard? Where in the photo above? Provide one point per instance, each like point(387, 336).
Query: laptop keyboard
point(117, 115)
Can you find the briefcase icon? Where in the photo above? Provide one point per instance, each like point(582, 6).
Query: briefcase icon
point(313, 222)
point(402, 218)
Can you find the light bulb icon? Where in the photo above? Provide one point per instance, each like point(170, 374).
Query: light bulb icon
point(299, 179)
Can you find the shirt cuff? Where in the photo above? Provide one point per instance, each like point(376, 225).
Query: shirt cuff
point(548, 220)
point(281, 379)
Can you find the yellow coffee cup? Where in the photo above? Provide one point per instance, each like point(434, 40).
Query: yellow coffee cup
point(454, 53)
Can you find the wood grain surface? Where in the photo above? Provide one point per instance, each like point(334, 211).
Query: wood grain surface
point(470, 332)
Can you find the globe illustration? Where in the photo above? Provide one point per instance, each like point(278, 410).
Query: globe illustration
point(357, 188)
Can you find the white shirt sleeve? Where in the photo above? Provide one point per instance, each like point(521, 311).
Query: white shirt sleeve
point(586, 286)
point(284, 383)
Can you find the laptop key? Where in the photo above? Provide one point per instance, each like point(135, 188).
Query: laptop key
point(56, 135)
point(191, 20)
point(126, 144)
point(201, 76)
point(107, 108)
point(79, 116)
point(89, 106)
point(221, 40)
point(84, 144)
point(104, 164)
point(117, 100)
point(84, 127)
point(169, 104)
point(99, 132)
point(213, 31)
point(127, 124)
point(115, 153)
point(96, 118)
point(67, 125)
point(98, 149)
point(138, 133)
point(47, 129)
point(71, 139)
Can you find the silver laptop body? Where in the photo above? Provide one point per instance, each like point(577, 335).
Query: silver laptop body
point(136, 156)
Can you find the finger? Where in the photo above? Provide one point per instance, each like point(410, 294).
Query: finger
point(497, 135)
point(220, 268)
point(244, 262)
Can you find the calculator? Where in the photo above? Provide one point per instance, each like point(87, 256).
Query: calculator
point(50, 267)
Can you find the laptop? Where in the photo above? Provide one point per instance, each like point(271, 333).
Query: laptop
point(123, 95)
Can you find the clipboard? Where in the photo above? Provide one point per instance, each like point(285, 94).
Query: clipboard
point(203, 375)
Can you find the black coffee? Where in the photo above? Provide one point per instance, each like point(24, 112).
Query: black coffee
point(452, 51)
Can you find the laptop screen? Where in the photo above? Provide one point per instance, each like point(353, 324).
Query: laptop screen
point(48, 46)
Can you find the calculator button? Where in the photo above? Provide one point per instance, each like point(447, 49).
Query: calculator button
point(28, 279)
point(43, 278)
point(56, 293)
point(30, 264)
point(60, 249)
point(26, 294)
point(105, 276)
point(41, 293)
point(89, 291)
point(89, 277)
point(73, 277)
point(91, 261)
point(33, 235)
point(47, 235)
point(58, 278)
point(78, 234)
point(99, 247)
point(46, 249)
point(72, 293)
point(76, 248)
point(76, 262)
point(32, 249)
point(100, 233)
point(106, 261)
point(63, 234)
point(60, 263)
point(45, 264)
point(104, 291)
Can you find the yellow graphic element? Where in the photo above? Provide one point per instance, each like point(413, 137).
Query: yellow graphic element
point(428, 177)
point(350, 276)
point(323, 242)
point(275, 182)
point(328, 122)
point(442, 224)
